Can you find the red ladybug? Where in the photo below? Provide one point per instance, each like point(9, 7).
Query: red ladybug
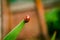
point(27, 18)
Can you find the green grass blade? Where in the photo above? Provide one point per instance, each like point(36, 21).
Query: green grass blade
point(12, 35)
point(53, 37)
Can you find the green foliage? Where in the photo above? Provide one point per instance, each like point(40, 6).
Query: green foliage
point(51, 15)
point(53, 21)
point(11, 1)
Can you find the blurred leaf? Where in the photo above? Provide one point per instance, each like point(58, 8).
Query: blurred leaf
point(53, 37)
